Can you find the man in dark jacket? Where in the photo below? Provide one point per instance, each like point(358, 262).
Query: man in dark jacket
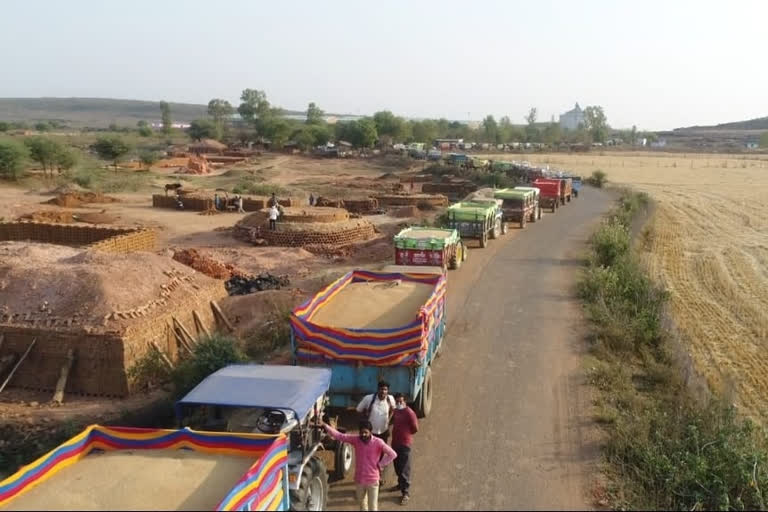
point(404, 425)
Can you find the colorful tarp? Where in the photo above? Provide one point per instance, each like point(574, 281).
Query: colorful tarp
point(402, 346)
point(261, 488)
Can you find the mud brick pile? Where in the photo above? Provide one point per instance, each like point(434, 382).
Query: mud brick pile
point(387, 200)
point(135, 240)
point(197, 204)
point(361, 205)
point(351, 232)
point(113, 239)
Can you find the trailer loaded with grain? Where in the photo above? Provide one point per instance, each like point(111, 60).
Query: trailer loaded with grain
point(429, 246)
point(480, 219)
point(550, 193)
point(518, 206)
point(372, 326)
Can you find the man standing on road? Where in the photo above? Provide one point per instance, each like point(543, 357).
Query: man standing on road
point(371, 456)
point(404, 425)
point(378, 408)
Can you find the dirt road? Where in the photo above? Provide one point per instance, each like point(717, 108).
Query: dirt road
point(510, 425)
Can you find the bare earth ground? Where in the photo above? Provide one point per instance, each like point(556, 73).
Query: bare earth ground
point(708, 246)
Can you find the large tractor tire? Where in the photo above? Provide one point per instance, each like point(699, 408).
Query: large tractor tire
point(312, 493)
point(344, 460)
point(522, 221)
point(533, 215)
point(483, 240)
point(503, 228)
point(538, 212)
point(457, 257)
point(464, 252)
point(496, 231)
point(554, 206)
point(424, 400)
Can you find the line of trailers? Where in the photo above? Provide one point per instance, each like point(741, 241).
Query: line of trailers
point(259, 423)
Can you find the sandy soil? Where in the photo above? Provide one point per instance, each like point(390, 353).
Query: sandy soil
point(138, 480)
point(374, 305)
point(707, 245)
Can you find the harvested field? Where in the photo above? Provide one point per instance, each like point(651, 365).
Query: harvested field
point(707, 245)
point(371, 305)
point(75, 199)
point(138, 480)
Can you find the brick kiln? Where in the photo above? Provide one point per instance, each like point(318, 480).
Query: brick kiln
point(106, 306)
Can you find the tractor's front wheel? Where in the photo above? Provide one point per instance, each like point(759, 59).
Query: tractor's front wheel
point(344, 458)
point(312, 493)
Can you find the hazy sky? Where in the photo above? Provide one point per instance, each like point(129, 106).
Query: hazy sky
point(656, 64)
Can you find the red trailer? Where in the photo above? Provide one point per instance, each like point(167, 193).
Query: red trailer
point(551, 190)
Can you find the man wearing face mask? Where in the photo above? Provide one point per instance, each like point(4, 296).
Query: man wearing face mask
point(378, 409)
point(371, 456)
point(404, 425)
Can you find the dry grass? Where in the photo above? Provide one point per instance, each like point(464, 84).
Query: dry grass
point(707, 244)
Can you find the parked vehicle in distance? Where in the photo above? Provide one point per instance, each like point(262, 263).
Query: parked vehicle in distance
point(480, 219)
point(550, 192)
point(519, 206)
point(429, 246)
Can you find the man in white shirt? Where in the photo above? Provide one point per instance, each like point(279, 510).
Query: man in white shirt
point(273, 214)
point(378, 408)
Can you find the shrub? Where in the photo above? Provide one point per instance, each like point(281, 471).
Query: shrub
point(12, 158)
point(597, 179)
point(274, 334)
point(610, 243)
point(211, 353)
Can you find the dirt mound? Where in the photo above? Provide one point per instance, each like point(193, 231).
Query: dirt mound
point(63, 217)
point(405, 212)
point(67, 188)
point(75, 199)
point(205, 265)
point(253, 220)
point(387, 176)
point(63, 282)
point(101, 217)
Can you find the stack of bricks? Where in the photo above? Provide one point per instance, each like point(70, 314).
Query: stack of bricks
point(361, 230)
point(197, 204)
point(361, 205)
point(93, 237)
point(412, 200)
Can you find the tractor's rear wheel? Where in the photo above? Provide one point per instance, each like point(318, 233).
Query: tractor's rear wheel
point(457, 257)
point(503, 228)
point(424, 400)
point(483, 240)
point(496, 230)
point(533, 215)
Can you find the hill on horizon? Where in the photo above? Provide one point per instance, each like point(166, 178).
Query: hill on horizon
point(97, 112)
point(758, 123)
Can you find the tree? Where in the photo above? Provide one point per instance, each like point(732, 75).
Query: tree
point(44, 151)
point(66, 159)
point(149, 158)
point(390, 125)
point(595, 123)
point(531, 132)
point(424, 131)
point(278, 131)
point(145, 131)
point(532, 116)
point(111, 148)
point(42, 126)
point(203, 129)
point(141, 124)
point(764, 140)
point(4, 127)
point(220, 110)
point(490, 130)
point(633, 135)
point(255, 109)
point(320, 134)
point(314, 114)
point(551, 133)
point(12, 157)
point(361, 133)
point(165, 114)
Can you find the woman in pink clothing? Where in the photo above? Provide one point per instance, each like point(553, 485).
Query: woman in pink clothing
point(371, 455)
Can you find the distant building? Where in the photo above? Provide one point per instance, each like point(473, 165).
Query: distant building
point(572, 119)
point(659, 143)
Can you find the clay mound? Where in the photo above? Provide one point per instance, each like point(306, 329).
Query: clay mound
point(205, 265)
point(58, 281)
point(95, 217)
point(74, 199)
point(313, 214)
point(256, 219)
point(58, 217)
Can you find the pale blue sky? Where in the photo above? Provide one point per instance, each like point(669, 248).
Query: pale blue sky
point(657, 64)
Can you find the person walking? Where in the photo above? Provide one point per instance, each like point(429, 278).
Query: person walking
point(371, 456)
point(216, 202)
point(273, 214)
point(311, 200)
point(404, 426)
point(240, 204)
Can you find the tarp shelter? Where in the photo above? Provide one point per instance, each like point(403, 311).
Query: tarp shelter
point(291, 388)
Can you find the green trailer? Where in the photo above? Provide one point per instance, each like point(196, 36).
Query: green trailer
point(519, 206)
point(423, 246)
point(480, 219)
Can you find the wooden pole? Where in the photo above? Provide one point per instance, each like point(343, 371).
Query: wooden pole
point(180, 340)
point(162, 355)
point(58, 396)
point(190, 340)
point(220, 316)
point(199, 325)
point(2, 338)
point(7, 379)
